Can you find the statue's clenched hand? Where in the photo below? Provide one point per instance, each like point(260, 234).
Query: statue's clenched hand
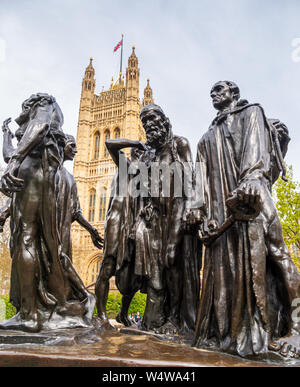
point(193, 217)
point(9, 182)
point(249, 192)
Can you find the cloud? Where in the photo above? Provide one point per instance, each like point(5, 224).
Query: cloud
point(182, 46)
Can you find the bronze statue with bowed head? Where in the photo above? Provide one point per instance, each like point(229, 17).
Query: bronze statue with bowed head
point(250, 281)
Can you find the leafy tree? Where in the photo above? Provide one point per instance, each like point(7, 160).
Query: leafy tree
point(113, 305)
point(138, 303)
point(287, 199)
point(10, 310)
point(5, 260)
point(114, 300)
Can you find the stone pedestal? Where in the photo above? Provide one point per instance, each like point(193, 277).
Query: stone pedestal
point(127, 347)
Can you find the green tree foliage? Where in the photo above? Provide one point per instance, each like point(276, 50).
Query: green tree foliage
point(287, 199)
point(10, 310)
point(138, 303)
point(5, 260)
point(113, 304)
point(114, 299)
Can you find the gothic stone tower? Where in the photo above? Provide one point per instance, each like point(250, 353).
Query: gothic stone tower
point(111, 114)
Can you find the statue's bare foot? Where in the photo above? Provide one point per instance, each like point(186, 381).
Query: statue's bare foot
point(16, 323)
point(167, 329)
point(288, 346)
point(103, 323)
point(123, 319)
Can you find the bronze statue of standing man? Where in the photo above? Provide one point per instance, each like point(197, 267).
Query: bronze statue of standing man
point(250, 282)
point(144, 237)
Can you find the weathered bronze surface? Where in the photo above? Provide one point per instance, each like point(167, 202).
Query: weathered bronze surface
point(145, 244)
point(45, 287)
point(250, 283)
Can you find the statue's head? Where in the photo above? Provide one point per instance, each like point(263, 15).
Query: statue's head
point(224, 94)
point(40, 99)
point(70, 149)
point(157, 126)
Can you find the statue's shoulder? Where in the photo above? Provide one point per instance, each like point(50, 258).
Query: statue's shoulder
point(250, 108)
point(181, 142)
point(205, 137)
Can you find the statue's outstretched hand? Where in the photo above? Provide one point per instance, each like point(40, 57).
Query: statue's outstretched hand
point(142, 146)
point(9, 182)
point(5, 127)
point(96, 238)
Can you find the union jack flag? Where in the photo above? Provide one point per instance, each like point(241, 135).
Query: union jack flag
point(118, 45)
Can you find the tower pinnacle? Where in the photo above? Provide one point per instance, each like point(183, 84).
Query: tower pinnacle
point(133, 72)
point(88, 83)
point(148, 94)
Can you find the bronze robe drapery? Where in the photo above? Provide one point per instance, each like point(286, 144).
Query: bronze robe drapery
point(242, 306)
point(140, 247)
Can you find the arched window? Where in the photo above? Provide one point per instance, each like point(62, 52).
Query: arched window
point(102, 211)
point(106, 137)
point(93, 272)
point(92, 203)
point(117, 133)
point(96, 145)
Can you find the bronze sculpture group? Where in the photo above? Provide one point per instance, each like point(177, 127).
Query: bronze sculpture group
point(155, 230)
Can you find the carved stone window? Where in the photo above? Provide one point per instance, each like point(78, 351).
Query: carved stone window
point(106, 137)
point(92, 203)
point(96, 145)
point(93, 271)
point(102, 211)
point(117, 133)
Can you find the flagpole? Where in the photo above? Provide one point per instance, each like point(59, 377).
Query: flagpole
point(121, 60)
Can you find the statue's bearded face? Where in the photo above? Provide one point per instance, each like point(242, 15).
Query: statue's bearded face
point(155, 129)
point(222, 96)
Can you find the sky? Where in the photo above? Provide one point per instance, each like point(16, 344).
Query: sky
point(183, 46)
